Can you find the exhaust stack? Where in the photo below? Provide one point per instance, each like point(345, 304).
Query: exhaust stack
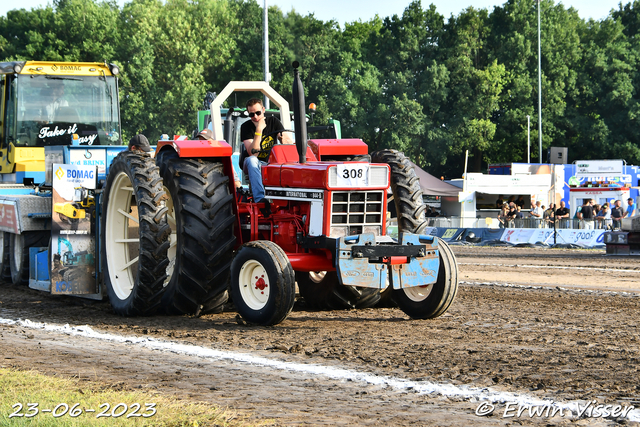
point(299, 114)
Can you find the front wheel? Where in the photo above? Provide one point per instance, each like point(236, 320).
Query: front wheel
point(262, 283)
point(430, 301)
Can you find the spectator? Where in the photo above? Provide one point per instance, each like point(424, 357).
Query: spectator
point(518, 218)
point(631, 209)
point(513, 211)
point(562, 214)
point(499, 202)
point(603, 217)
point(587, 214)
point(616, 215)
point(503, 216)
point(520, 202)
point(537, 213)
point(139, 143)
point(550, 216)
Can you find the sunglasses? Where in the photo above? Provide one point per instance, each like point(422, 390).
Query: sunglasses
point(257, 113)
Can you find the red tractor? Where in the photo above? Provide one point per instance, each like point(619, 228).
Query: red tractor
point(176, 235)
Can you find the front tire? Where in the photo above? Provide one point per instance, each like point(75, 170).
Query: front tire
point(262, 283)
point(430, 301)
point(134, 235)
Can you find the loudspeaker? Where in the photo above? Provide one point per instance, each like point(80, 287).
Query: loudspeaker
point(558, 155)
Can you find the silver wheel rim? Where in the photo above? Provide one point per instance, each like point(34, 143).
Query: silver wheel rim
point(123, 242)
point(173, 238)
point(418, 293)
point(254, 285)
point(317, 276)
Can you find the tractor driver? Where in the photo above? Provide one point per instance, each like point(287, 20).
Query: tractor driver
point(251, 134)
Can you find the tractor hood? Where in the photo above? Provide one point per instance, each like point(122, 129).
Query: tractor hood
point(327, 175)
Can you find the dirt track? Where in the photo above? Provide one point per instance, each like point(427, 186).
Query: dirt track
point(558, 343)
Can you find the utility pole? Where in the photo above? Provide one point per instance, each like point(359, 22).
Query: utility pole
point(267, 75)
point(528, 139)
point(539, 88)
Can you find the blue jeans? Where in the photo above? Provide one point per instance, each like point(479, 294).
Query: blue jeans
point(252, 168)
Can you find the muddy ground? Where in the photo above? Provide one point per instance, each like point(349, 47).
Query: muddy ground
point(541, 335)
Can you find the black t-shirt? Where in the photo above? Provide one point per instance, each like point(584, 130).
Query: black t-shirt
point(562, 211)
point(587, 212)
point(520, 202)
point(248, 130)
point(616, 213)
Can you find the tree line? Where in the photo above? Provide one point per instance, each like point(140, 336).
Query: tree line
point(429, 85)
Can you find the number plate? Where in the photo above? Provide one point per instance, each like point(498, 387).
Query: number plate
point(353, 175)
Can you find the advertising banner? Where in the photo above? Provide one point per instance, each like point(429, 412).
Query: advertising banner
point(584, 238)
point(73, 265)
point(517, 235)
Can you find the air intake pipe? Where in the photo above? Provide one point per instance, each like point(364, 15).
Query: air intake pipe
point(299, 114)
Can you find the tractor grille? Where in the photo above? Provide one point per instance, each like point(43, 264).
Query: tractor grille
point(356, 212)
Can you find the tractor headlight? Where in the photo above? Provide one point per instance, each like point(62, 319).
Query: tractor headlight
point(17, 68)
point(115, 70)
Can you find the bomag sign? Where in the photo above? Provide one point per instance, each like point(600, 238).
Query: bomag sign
point(67, 68)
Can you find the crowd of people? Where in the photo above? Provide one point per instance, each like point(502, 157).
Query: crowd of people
point(588, 216)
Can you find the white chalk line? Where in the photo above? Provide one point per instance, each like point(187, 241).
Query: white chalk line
point(473, 394)
point(557, 267)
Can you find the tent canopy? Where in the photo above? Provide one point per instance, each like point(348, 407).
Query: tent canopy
point(432, 186)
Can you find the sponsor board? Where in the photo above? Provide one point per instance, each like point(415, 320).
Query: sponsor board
point(73, 254)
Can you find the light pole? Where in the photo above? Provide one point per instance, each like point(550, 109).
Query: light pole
point(539, 88)
point(267, 76)
point(528, 139)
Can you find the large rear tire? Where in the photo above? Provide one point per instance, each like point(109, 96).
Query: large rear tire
point(429, 301)
point(321, 290)
point(407, 199)
point(134, 235)
point(202, 235)
point(407, 193)
point(19, 253)
point(262, 283)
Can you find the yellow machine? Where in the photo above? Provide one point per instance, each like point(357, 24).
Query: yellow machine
point(76, 209)
point(46, 103)
point(52, 113)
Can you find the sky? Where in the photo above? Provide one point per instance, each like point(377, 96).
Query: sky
point(349, 11)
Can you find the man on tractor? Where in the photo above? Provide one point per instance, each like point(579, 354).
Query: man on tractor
point(259, 136)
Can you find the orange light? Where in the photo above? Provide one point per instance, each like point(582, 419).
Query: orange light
point(312, 107)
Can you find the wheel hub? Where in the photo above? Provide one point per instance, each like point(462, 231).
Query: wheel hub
point(254, 284)
point(418, 293)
